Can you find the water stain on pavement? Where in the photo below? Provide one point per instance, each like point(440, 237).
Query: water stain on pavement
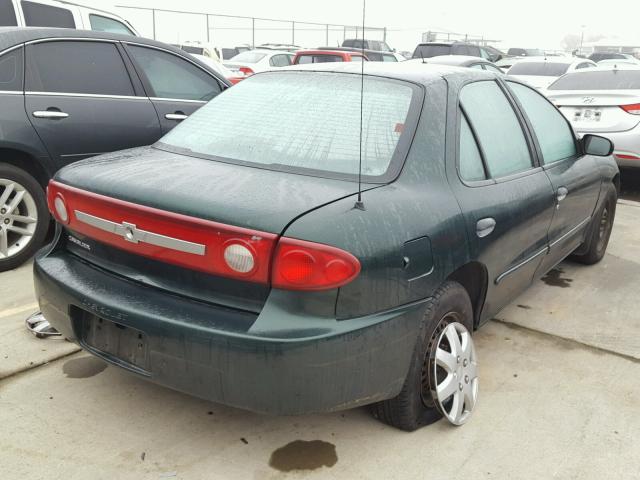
point(84, 367)
point(555, 279)
point(303, 455)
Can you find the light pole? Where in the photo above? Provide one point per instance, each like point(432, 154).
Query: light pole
point(582, 27)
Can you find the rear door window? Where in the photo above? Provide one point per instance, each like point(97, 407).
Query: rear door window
point(280, 61)
point(94, 68)
point(470, 163)
point(11, 71)
point(172, 77)
point(106, 24)
point(7, 14)
point(39, 15)
point(304, 59)
point(554, 135)
point(498, 129)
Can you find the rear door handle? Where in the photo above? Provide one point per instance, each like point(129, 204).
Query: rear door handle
point(178, 116)
point(50, 114)
point(485, 227)
point(562, 193)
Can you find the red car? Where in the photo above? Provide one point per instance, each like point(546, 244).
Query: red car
point(326, 56)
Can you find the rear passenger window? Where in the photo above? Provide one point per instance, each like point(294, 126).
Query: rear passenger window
point(172, 77)
point(7, 14)
point(497, 127)
point(471, 166)
point(106, 24)
point(11, 71)
point(554, 134)
point(38, 15)
point(77, 67)
point(280, 61)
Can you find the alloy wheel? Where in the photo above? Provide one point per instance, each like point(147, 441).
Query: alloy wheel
point(451, 374)
point(18, 218)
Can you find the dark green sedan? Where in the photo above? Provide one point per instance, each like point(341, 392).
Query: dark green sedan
point(239, 259)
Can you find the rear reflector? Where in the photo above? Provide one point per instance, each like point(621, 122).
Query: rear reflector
point(202, 245)
point(633, 109)
point(246, 70)
point(301, 265)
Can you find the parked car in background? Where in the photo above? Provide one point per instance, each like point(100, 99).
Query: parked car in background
point(611, 62)
point(438, 49)
point(229, 53)
point(202, 49)
point(247, 63)
point(59, 14)
point(463, 61)
point(328, 56)
point(372, 55)
point(251, 269)
point(358, 44)
point(525, 52)
point(604, 101)
point(541, 72)
point(71, 94)
point(287, 47)
point(598, 56)
point(218, 67)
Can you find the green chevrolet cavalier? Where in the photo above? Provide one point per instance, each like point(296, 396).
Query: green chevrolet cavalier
point(314, 240)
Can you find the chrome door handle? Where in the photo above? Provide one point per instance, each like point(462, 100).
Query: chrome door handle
point(485, 227)
point(562, 193)
point(178, 117)
point(50, 114)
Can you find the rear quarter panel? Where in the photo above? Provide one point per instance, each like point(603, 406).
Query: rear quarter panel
point(419, 204)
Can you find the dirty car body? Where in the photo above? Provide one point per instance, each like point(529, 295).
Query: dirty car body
point(136, 274)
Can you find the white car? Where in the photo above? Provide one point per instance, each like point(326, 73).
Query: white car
point(215, 65)
point(259, 60)
point(610, 62)
point(604, 101)
point(59, 14)
point(540, 72)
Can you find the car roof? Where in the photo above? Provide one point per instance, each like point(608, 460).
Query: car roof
point(447, 43)
point(454, 60)
point(12, 36)
point(415, 72)
point(552, 59)
point(329, 52)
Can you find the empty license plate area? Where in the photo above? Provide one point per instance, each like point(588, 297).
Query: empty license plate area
point(115, 342)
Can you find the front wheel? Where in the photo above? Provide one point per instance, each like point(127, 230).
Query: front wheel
point(443, 376)
point(24, 218)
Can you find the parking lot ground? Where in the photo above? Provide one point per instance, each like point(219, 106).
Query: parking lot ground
point(559, 396)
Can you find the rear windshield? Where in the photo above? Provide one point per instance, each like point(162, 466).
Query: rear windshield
point(428, 51)
point(303, 59)
point(249, 57)
point(194, 50)
point(603, 80)
point(545, 69)
point(304, 122)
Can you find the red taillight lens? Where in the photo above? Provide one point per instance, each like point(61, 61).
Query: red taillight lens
point(633, 109)
point(301, 265)
point(246, 71)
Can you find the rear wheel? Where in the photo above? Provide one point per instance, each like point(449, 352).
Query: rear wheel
point(442, 379)
point(24, 218)
point(594, 248)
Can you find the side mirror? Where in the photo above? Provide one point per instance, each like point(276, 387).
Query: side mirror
point(596, 145)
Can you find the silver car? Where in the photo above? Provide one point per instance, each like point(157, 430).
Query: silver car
point(540, 72)
point(604, 101)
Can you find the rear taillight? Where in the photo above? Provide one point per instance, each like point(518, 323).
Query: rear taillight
point(203, 245)
point(246, 71)
point(301, 265)
point(633, 109)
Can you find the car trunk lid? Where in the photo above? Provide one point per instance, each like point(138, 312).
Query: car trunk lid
point(155, 193)
point(597, 112)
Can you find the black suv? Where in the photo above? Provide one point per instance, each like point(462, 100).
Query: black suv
point(72, 94)
point(436, 49)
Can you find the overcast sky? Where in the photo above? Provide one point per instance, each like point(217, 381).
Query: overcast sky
point(535, 23)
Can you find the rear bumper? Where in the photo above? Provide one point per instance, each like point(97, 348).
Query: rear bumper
point(324, 365)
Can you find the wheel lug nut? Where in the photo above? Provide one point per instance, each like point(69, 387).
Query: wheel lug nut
point(466, 379)
point(465, 362)
point(460, 387)
point(6, 221)
point(3, 211)
point(458, 359)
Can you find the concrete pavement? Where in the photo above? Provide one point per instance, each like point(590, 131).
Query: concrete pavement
point(559, 398)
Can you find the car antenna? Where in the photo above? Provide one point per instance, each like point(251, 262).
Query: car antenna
point(359, 203)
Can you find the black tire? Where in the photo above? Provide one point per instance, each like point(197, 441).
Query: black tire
point(413, 408)
point(595, 246)
point(9, 172)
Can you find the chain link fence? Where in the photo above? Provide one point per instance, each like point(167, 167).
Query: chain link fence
point(174, 26)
